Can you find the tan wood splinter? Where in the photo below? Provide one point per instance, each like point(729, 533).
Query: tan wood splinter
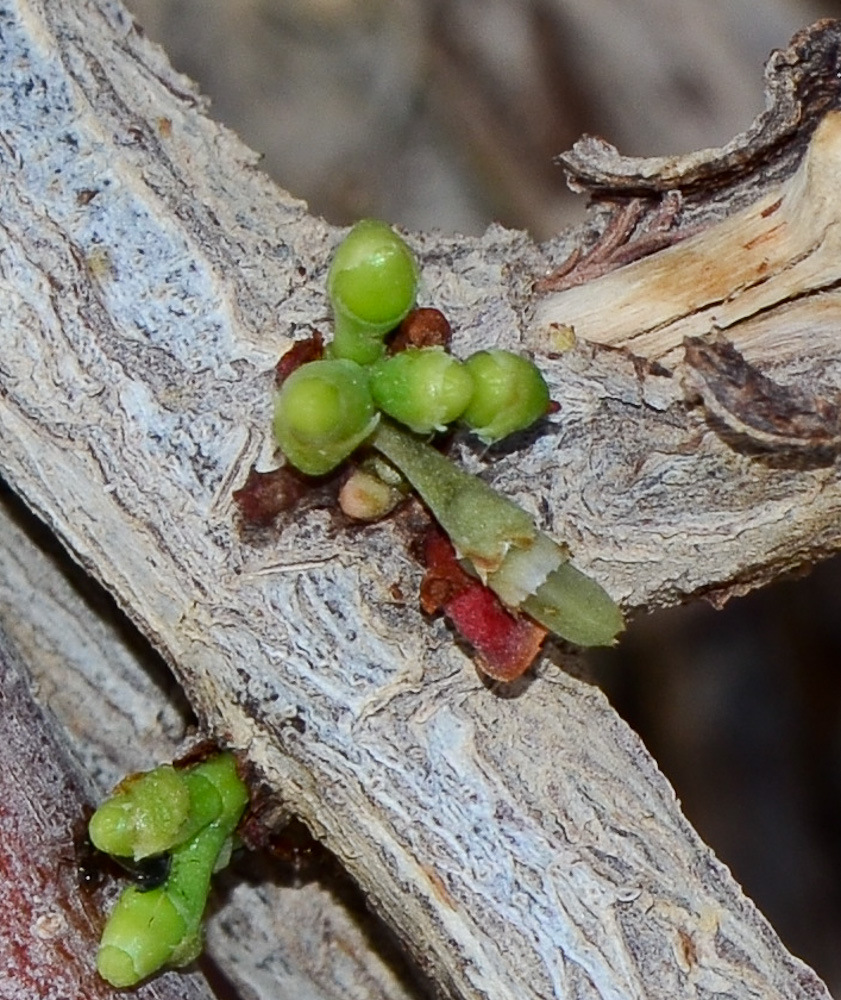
point(729, 277)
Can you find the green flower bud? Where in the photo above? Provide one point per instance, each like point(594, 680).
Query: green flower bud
point(323, 411)
point(509, 394)
point(423, 388)
point(372, 284)
point(138, 938)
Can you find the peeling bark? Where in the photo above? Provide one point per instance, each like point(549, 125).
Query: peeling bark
point(521, 846)
point(758, 412)
point(766, 280)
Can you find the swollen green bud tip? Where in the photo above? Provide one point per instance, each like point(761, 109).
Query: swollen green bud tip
point(323, 411)
point(424, 388)
point(509, 394)
point(372, 284)
point(146, 816)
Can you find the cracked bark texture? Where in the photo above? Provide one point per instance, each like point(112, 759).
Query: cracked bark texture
point(522, 842)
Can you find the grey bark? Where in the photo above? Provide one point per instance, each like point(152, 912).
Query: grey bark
point(522, 845)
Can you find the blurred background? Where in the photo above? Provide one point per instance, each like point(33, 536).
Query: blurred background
point(446, 114)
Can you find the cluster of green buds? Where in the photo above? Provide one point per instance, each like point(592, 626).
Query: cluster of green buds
point(186, 816)
point(327, 408)
point(495, 393)
point(358, 393)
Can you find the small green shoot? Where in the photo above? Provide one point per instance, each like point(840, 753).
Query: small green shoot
point(148, 930)
point(502, 544)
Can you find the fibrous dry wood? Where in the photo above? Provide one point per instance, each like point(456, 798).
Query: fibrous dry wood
point(521, 846)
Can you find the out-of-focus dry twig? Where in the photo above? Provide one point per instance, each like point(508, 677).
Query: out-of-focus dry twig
point(449, 113)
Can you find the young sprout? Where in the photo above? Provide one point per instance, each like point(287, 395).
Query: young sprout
point(502, 544)
point(323, 411)
point(424, 388)
point(150, 929)
point(372, 283)
point(509, 394)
